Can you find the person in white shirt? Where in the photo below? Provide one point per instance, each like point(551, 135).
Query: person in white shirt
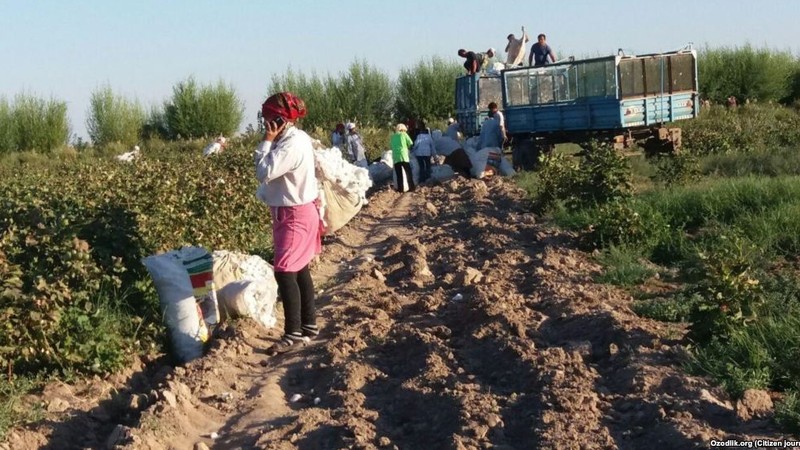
point(424, 149)
point(501, 119)
point(285, 169)
point(516, 49)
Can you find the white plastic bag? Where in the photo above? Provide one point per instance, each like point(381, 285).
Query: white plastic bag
point(178, 304)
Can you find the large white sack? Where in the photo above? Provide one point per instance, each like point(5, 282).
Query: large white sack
point(445, 145)
point(379, 172)
point(186, 328)
point(253, 291)
point(387, 158)
point(479, 160)
point(340, 206)
point(255, 299)
point(471, 144)
point(212, 148)
point(506, 168)
point(334, 168)
point(442, 172)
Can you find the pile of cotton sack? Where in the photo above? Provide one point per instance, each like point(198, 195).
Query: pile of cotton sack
point(199, 289)
point(343, 187)
point(466, 159)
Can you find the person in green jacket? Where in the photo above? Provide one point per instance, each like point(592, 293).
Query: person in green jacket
point(401, 143)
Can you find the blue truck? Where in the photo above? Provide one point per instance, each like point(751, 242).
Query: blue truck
point(623, 99)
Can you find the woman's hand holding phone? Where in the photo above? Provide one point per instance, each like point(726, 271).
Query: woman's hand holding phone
point(274, 128)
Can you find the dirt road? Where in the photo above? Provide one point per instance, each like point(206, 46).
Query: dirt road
point(451, 319)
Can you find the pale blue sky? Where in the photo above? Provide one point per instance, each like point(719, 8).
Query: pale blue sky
point(66, 49)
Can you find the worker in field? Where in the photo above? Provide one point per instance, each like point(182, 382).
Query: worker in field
point(338, 137)
point(515, 49)
point(476, 61)
point(356, 146)
point(501, 119)
point(285, 169)
point(540, 51)
point(424, 150)
point(401, 143)
point(491, 134)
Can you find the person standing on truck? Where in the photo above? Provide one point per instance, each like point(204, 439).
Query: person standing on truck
point(516, 49)
point(539, 53)
point(476, 62)
point(501, 119)
point(401, 143)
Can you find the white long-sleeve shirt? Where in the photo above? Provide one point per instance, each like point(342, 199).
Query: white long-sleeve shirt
point(285, 170)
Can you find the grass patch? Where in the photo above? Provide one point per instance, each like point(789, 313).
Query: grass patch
point(773, 163)
point(787, 412)
point(666, 309)
point(623, 266)
point(12, 409)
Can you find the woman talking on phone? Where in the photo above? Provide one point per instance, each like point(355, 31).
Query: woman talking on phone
point(285, 168)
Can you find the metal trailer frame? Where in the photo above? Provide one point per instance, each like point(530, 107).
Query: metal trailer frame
point(624, 99)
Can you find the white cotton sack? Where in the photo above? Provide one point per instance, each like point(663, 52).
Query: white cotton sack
point(212, 148)
point(479, 159)
point(445, 145)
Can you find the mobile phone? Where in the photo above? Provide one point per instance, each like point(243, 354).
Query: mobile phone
point(278, 121)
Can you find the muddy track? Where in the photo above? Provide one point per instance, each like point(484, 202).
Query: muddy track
point(450, 319)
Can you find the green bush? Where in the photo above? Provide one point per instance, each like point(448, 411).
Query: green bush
point(746, 73)
point(112, 118)
point(197, 111)
point(74, 292)
point(769, 163)
point(363, 94)
point(677, 169)
point(727, 282)
point(748, 128)
point(601, 176)
point(7, 137)
point(36, 124)
point(427, 90)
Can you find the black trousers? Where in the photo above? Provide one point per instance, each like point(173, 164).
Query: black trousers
point(399, 168)
point(424, 167)
point(297, 295)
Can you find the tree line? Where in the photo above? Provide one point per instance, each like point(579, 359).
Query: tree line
point(362, 93)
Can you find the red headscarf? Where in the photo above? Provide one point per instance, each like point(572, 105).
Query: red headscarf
point(284, 104)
